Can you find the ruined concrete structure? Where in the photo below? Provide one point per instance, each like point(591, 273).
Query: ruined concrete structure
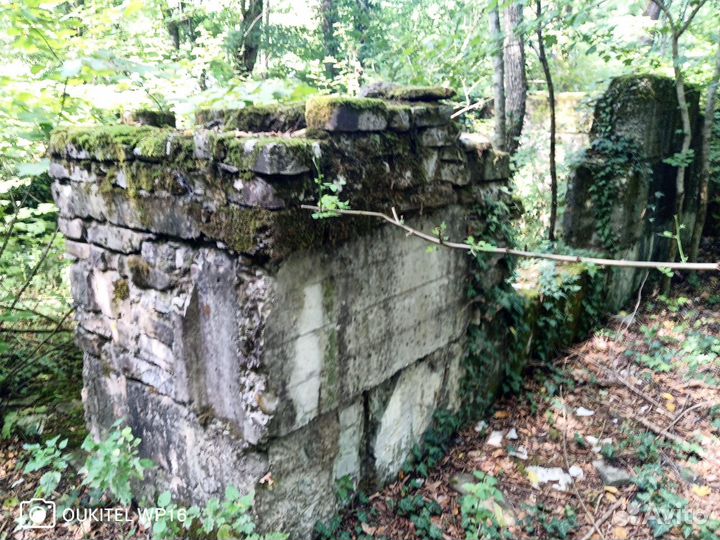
point(247, 343)
point(622, 196)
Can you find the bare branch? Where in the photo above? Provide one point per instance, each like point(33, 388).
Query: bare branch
point(520, 253)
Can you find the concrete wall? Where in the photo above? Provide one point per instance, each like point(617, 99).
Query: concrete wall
point(636, 127)
point(239, 337)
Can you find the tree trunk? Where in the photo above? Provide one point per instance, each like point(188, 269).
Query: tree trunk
point(328, 18)
point(247, 54)
point(363, 18)
point(652, 10)
point(687, 139)
point(553, 126)
point(515, 78)
point(498, 79)
point(708, 125)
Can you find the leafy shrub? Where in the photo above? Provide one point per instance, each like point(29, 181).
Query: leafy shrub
point(221, 519)
point(48, 455)
point(482, 515)
point(113, 464)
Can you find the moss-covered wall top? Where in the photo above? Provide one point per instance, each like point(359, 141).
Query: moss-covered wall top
point(241, 174)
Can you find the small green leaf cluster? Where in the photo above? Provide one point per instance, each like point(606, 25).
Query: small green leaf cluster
point(114, 463)
point(665, 508)
point(226, 519)
point(47, 456)
point(352, 505)
point(614, 158)
point(540, 520)
point(420, 511)
point(329, 195)
point(482, 516)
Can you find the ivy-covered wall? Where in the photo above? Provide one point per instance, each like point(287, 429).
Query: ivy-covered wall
point(621, 199)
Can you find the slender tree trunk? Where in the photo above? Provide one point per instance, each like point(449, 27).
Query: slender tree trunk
point(515, 78)
point(553, 125)
point(247, 53)
point(708, 125)
point(678, 29)
point(687, 139)
point(498, 79)
point(652, 10)
point(328, 18)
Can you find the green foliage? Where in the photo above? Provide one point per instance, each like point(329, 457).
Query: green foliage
point(482, 515)
point(614, 158)
point(540, 520)
point(436, 441)
point(47, 456)
point(504, 321)
point(113, 464)
point(329, 195)
point(647, 447)
point(666, 510)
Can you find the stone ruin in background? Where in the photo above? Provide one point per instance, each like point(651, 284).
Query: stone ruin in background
point(248, 344)
point(243, 340)
point(636, 128)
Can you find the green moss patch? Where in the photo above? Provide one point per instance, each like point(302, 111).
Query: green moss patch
point(266, 155)
point(420, 93)
point(340, 113)
point(257, 118)
point(110, 143)
point(153, 117)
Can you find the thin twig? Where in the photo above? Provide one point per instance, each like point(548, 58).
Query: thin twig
point(671, 437)
point(589, 515)
point(33, 311)
point(607, 515)
point(471, 107)
point(33, 272)
point(33, 330)
point(520, 253)
point(635, 390)
point(705, 404)
point(11, 225)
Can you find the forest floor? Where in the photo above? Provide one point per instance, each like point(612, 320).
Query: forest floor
point(639, 399)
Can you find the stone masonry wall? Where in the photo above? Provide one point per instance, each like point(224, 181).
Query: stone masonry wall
point(241, 338)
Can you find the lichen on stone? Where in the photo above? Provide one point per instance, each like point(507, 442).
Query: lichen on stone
point(239, 228)
point(267, 155)
point(122, 290)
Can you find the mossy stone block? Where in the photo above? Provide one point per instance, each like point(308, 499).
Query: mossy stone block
point(151, 117)
point(420, 93)
point(267, 155)
point(256, 118)
point(110, 143)
point(335, 113)
point(430, 114)
point(399, 117)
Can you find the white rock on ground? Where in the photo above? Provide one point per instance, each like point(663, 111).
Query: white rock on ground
point(542, 475)
point(495, 439)
point(610, 475)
